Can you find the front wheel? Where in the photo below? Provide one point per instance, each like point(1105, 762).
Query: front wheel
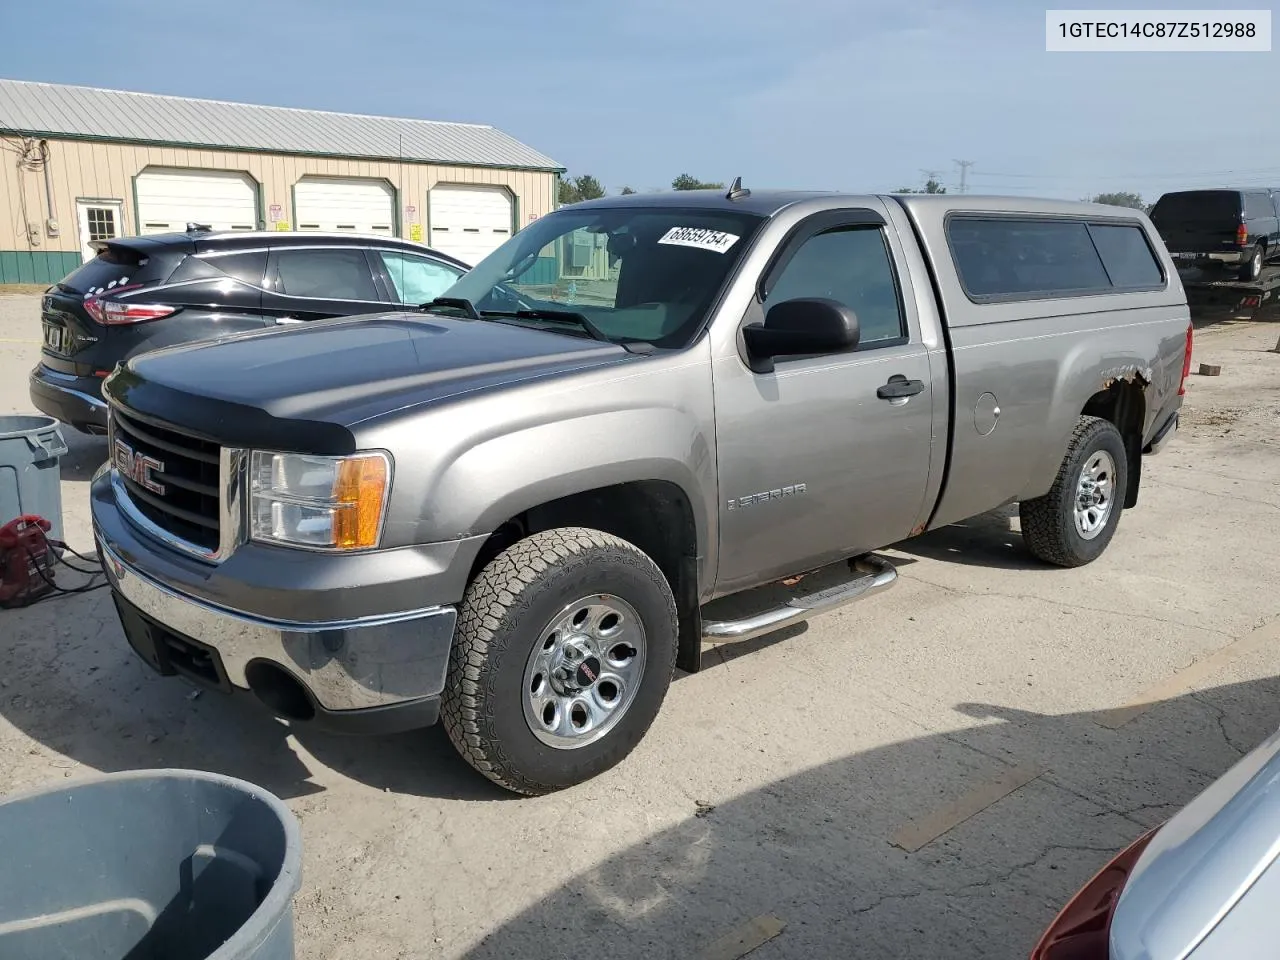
point(565, 648)
point(1073, 523)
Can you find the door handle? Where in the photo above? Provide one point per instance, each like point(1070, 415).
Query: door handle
point(900, 388)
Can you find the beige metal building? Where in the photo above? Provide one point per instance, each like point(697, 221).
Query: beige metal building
point(79, 164)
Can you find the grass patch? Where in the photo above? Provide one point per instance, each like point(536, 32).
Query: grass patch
point(22, 288)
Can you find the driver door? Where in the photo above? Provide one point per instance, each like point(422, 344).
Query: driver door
point(816, 461)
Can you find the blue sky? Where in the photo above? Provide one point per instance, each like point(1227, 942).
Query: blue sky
point(840, 94)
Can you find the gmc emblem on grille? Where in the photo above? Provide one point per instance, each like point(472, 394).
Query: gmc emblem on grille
point(138, 467)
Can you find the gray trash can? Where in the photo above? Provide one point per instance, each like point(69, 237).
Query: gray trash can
point(30, 481)
point(148, 865)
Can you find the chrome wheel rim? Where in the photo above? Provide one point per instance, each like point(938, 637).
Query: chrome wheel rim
point(584, 671)
point(1095, 494)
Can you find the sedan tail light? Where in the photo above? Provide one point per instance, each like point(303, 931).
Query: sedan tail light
point(110, 312)
point(1082, 931)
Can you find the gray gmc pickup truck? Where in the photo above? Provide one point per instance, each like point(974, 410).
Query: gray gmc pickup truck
point(510, 509)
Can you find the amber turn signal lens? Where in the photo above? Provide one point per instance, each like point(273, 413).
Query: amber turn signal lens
point(359, 495)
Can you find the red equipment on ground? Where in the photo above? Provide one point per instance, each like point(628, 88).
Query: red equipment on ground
point(26, 563)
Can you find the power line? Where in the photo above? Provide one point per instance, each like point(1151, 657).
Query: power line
point(1202, 175)
point(964, 166)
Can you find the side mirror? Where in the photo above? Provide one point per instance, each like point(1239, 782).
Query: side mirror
point(801, 327)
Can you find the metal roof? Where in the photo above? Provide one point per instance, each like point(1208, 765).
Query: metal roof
point(57, 110)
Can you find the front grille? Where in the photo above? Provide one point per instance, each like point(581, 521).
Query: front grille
point(181, 497)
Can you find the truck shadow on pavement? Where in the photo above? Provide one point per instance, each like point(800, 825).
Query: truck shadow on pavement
point(988, 540)
point(815, 850)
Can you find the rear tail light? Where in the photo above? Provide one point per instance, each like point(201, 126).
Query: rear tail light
point(110, 313)
point(1186, 361)
point(1242, 235)
point(1082, 931)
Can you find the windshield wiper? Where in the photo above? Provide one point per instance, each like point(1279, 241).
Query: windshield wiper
point(568, 316)
point(455, 303)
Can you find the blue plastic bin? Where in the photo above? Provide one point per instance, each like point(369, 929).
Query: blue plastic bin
point(30, 480)
point(148, 865)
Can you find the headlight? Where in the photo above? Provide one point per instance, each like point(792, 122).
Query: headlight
point(334, 503)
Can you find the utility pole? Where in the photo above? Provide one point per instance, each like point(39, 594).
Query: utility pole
point(964, 166)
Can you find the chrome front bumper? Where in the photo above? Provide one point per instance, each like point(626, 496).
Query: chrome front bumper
point(371, 662)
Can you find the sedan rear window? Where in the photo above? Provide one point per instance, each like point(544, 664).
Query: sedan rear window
point(117, 266)
point(338, 274)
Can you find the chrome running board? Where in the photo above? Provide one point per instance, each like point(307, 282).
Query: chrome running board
point(875, 575)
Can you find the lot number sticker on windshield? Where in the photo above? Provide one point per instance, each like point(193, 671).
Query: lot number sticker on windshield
point(701, 238)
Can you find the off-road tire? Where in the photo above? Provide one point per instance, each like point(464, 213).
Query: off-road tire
point(507, 604)
point(1048, 522)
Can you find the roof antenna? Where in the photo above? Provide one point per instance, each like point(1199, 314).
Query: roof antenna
point(736, 190)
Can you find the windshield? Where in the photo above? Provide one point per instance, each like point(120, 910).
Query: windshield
point(634, 274)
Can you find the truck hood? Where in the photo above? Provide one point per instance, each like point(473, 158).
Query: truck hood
point(336, 373)
point(1207, 867)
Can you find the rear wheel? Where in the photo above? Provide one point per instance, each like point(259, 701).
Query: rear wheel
point(1073, 523)
point(1253, 269)
point(565, 649)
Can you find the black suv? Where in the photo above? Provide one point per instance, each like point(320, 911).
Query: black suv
point(141, 293)
point(1219, 227)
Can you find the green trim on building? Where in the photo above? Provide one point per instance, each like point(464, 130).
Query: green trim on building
point(89, 138)
point(36, 266)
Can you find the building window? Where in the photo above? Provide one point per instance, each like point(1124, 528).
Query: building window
point(102, 223)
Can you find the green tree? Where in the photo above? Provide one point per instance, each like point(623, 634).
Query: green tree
point(579, 188)
point(687, 182)
point(931, 186)
point(1123, 199)
point(626, 191)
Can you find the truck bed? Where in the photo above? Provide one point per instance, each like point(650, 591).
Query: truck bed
point(1212, 298)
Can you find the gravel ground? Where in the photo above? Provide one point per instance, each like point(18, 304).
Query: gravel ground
point(928, 773)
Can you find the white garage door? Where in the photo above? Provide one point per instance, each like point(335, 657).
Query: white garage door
point(344, 205)
point(469, 222)
point(169, 199)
